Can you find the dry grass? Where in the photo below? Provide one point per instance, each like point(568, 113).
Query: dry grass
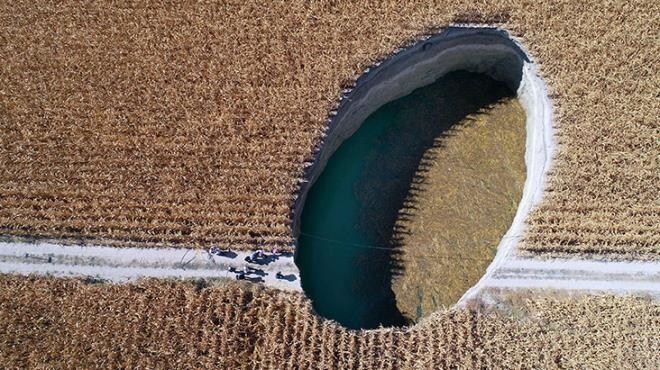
point(162, 124)
point(46, 322)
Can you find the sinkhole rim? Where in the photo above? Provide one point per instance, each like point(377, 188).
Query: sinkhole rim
point(475, 48)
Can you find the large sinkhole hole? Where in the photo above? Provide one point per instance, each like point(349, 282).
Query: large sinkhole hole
point(417, 181)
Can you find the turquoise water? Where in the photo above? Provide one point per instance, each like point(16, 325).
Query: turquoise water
point(346, 253)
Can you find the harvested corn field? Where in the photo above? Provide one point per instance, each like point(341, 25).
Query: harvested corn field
point(191, 124)
point(156, 324)
point(186, 125)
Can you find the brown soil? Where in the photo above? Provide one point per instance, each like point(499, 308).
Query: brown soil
point(466, 195)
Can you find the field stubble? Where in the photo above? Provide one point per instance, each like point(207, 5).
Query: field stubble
point(67, 323)
point(161, 124)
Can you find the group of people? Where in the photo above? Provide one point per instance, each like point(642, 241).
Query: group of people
point(243, 274)
point(219, 251)
point(258, 257)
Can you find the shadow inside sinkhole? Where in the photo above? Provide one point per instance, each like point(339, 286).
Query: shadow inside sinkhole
point(350, 245)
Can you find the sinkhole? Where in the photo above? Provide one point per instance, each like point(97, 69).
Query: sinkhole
point(418, 182)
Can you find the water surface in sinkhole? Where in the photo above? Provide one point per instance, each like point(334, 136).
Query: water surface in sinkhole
point(359, 233)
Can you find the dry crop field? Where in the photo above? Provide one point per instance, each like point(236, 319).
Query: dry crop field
point(191, 123)
point(156, 324)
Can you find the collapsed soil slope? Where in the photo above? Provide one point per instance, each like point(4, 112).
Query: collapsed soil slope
point(191, 124)
point(469, 187)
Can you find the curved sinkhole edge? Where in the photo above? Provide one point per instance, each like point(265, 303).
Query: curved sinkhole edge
point(488, 50)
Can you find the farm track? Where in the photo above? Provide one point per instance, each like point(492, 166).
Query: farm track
point(130, 264)
point(577, 274)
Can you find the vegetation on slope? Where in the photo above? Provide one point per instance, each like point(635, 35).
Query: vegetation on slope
point(467, 191)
